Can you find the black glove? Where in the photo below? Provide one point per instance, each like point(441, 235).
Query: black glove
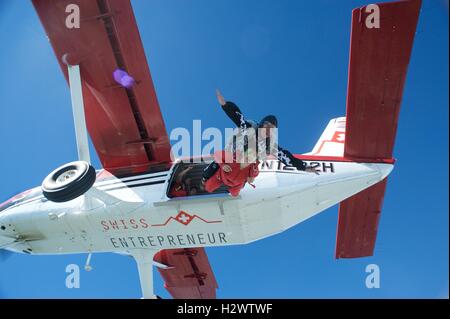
point(298, 163)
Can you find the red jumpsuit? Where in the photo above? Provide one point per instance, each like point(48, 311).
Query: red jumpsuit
point(235, 180)
point(177, 190)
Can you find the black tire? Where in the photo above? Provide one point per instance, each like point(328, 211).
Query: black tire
point(68, 182)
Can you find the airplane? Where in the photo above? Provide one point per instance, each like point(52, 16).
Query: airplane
point(127, 208)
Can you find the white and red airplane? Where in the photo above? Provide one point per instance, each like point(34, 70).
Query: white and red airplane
point(126, 207)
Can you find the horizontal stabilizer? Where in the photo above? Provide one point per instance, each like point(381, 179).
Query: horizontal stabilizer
point(358, 222)
point(379, 59)
point(382, 38)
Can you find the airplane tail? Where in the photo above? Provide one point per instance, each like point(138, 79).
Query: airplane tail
point(331, 142)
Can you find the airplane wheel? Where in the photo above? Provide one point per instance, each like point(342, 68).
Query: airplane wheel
point(68, 181)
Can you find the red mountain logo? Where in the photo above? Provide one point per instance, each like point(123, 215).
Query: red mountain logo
point(185, 218)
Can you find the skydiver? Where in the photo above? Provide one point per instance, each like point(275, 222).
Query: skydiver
point(252, 143)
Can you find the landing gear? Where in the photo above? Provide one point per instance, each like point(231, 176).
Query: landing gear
point(68, 181)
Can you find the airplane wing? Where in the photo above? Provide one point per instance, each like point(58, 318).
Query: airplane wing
point(125, 125)
point(189, 274)
point(379, 59)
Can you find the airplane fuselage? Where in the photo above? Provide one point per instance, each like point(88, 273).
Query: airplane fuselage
point(119, 215)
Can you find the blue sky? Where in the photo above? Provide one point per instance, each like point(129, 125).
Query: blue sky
point(285, 57)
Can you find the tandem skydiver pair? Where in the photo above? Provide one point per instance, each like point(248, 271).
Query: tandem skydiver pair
point(251, 143)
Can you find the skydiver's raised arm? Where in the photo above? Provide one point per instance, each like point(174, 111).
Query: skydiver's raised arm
point(233, 112)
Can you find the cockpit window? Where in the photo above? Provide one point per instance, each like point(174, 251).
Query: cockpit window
point(187, 181)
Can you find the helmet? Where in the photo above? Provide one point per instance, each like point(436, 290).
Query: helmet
point(269, 119)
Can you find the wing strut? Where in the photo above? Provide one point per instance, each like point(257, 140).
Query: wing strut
point(76, 95)
point(144, 261)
